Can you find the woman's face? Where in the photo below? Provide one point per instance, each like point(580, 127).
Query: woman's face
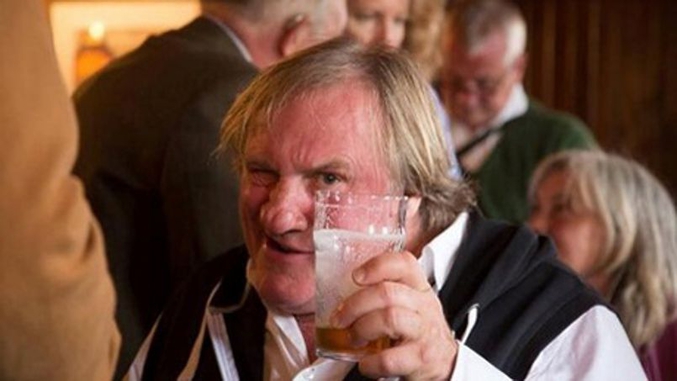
point(378, 21)
point(577, 233)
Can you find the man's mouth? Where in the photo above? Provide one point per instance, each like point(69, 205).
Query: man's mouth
point(286, 249)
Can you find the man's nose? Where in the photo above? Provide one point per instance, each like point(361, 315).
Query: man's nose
point(388, 34)
point(289, 209)
point(466, 96)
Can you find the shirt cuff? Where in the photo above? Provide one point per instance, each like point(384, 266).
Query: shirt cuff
point(471, 366)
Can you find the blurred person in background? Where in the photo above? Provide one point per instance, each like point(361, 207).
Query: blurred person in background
point(149, 131)
point(615, 224)
point(56, 296)
point(500, 134)
point(414, 26)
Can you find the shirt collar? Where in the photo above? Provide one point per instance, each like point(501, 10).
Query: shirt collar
point(437, 257)
point(516, 105)
point(236, 40)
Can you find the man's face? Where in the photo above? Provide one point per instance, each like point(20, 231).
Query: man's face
point(322, 141)
point(476, 85)
point(578, 232)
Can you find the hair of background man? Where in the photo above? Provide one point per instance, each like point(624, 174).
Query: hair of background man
point(473, 21)
point(265, 11)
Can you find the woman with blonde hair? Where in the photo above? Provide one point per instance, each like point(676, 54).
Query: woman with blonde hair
point(415, 26)
point(615, 224)
point(422, 39)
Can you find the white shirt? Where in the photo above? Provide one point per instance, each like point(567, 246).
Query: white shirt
point(594, 347)
point(516, 105)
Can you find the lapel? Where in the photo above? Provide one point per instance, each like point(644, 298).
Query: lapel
point(245, 318)
point(475, 277)
point(246, 330)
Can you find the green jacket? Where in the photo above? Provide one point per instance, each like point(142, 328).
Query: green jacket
point(504, 176)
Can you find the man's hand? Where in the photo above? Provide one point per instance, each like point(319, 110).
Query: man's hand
point(398, 302)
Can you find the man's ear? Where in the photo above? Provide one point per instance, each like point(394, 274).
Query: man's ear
point(521, 66)
point(413, 203)
point(414, 240)
point(296, 35)
point(413, 219)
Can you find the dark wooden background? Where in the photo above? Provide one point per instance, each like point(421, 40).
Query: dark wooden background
point(614, 64)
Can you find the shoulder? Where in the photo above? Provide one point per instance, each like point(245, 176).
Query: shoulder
point(538, 112)
point(525, 296)
point(192, 296)
point(502, 237)
point(593, 347)
point(558, 123)
point(545, 130)
point(179, 64)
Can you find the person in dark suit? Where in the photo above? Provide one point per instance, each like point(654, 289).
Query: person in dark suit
point(149, 131)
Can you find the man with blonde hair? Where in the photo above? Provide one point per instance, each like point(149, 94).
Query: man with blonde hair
point(149, 129)
point(467, 298)
point(500, 134)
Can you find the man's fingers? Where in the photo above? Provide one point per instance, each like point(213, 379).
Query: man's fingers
point(385, 295)
point(413, 361)
point(399, 267)
point(393, 361)
point(398, 324)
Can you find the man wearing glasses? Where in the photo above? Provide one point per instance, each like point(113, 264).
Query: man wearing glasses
point(499, 133)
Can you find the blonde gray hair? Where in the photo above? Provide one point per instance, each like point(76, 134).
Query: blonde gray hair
point(423, 35)
point(412, 141)
point(640, 224)
point(473, 21)
point(271, 11)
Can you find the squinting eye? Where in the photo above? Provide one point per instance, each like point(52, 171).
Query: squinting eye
point(261, 177)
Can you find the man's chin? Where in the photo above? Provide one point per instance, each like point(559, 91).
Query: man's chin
point(289, 307)
point(477, 124)
point(287, 300)
point(472, 121)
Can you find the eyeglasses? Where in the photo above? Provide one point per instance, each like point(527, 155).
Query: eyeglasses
point(484, 86)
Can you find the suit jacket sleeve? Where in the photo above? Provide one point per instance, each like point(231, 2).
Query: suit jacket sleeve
point(56, 297)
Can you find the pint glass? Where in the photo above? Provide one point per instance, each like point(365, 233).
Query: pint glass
point(349, 229)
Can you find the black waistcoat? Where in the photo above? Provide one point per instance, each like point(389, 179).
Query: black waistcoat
point(525, 299)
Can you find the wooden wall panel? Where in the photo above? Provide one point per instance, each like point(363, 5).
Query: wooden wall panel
point(614, 64)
